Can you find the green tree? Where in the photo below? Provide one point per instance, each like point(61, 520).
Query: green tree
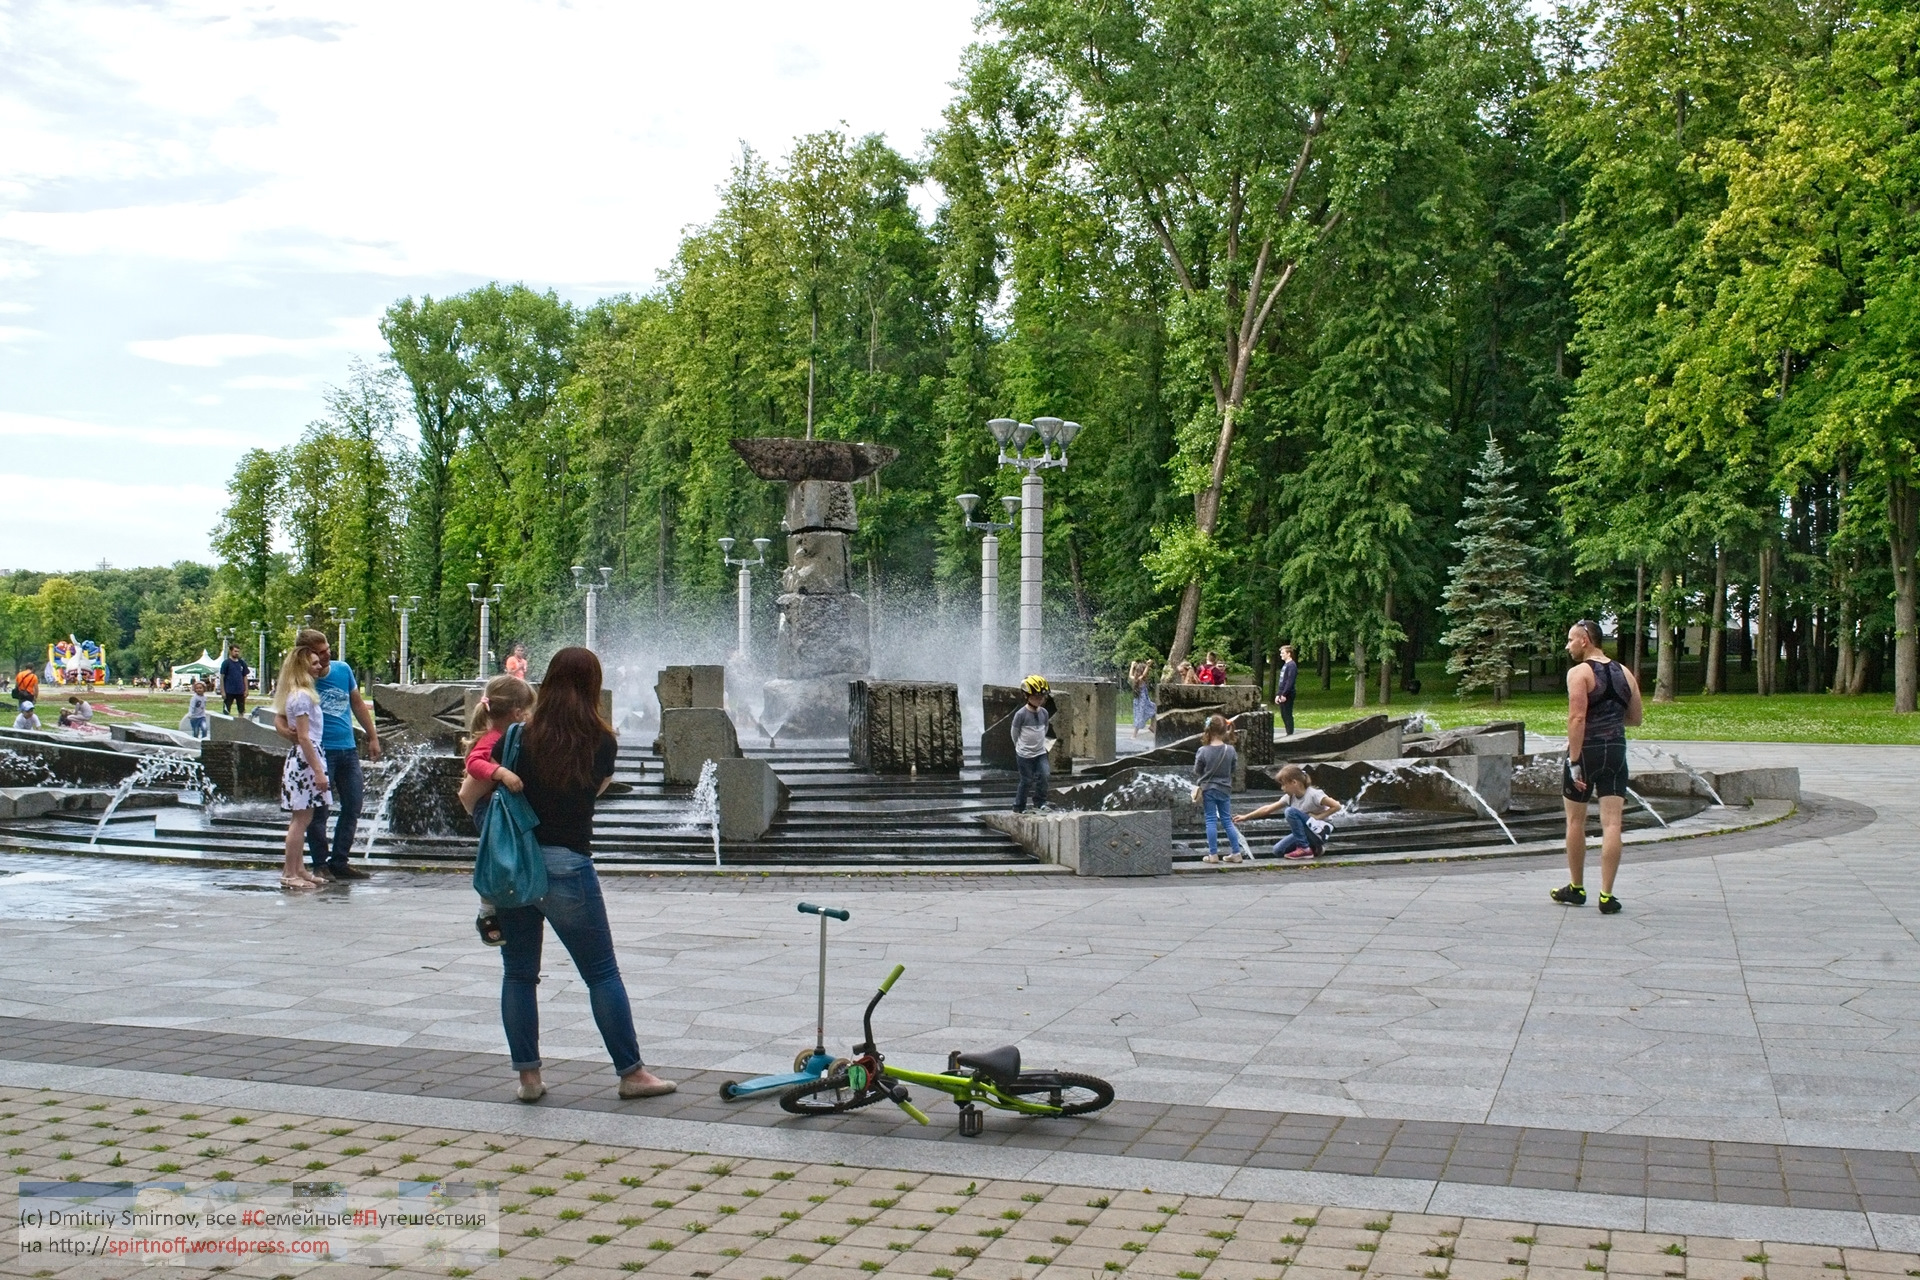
point(1492, 596)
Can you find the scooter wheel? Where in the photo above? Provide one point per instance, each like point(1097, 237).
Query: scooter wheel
point(727, 1088)
point(801, 1059)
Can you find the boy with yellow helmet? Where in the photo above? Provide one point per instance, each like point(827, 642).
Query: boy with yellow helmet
point(1030, 745)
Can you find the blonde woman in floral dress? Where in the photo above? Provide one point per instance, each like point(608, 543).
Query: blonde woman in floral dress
point(303, 779)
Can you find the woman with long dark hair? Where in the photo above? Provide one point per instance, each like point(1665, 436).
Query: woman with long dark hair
point(566, 760)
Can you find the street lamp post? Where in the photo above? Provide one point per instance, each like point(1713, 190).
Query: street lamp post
point(593, 590)
point(744, 606)
point(486, 604)
point(393, 603)
point(1051, 431)
point(334, 615)
point(260, 673)
point(989, 578)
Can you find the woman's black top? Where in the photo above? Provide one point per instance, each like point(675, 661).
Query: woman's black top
point(566, 813)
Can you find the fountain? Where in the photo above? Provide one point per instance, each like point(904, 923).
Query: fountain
point(823, 642)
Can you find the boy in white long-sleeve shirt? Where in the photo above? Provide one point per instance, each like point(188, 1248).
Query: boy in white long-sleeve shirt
point(1030, 745)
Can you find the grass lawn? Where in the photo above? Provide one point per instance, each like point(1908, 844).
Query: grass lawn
point(1726, 717)
point(150, 706)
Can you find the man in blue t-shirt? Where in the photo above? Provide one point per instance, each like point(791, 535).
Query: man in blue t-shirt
point(340, 705)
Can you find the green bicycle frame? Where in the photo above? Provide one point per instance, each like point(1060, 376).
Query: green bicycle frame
point(964, 1090)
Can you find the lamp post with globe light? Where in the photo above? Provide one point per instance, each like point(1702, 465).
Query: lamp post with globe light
point(593, 590)
point(989, 578)
point(486, 604)
point(260, 673)
point(745, 603)
point(1018, 435)
point(334, 615)
point(404, 613)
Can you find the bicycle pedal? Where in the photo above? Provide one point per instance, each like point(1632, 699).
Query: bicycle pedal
point(972, 1123)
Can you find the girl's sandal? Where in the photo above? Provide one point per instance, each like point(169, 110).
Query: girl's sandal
point(295, 882)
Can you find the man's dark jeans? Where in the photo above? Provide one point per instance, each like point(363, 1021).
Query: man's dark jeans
point(1034, 772)
point(349, 788)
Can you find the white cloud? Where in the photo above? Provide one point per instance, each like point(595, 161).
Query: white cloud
point(15, 333)
point(14, 308)
point(208, 350)
point(43, 427)
point(70, 525)
point(266, 382)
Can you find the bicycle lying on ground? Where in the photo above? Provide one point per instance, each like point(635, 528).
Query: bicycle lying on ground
point(992, 1078)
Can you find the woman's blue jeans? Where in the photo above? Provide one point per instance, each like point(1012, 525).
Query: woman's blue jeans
point(1217, 806)
point(578, 914)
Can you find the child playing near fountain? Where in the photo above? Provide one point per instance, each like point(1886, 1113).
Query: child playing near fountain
point(507, 701)
point(197, 711)
point(1213, 767)
point(1307, 808)
point(303, 779)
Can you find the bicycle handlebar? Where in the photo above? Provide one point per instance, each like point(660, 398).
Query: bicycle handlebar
point(887, 984)
point(807, 908)
point(915, 1112)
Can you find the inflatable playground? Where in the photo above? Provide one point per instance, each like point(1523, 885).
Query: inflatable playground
point(75, 662)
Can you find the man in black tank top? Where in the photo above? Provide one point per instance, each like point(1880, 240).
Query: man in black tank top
point(1603, 700)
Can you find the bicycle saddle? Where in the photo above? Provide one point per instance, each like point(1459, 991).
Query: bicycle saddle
point(1002, 1065)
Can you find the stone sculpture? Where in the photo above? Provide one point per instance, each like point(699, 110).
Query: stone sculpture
point(823, 642)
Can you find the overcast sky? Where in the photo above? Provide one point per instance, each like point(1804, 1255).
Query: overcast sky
point(204, 208)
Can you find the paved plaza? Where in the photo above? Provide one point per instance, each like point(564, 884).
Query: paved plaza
point(1734, 1056)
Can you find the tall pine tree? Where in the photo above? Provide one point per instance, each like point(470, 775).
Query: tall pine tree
point(1492, 593)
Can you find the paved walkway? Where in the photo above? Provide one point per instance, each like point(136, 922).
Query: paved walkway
point(602, 1208)
point(1765, 996)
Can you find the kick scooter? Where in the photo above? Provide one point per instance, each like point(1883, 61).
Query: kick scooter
point(808, 1066)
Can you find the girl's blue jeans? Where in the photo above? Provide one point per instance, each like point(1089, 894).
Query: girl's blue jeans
point(1217, 807)
point(578, 914)
point(1299, 836)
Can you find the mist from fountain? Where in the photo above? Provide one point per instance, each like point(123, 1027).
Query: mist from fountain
point(703, 806)
point(400, 765)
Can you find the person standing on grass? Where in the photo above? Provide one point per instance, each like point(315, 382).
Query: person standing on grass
point(1283, 696)
point(567, 755)
point(1603, 701)
point(340, 704)
point(233, 682)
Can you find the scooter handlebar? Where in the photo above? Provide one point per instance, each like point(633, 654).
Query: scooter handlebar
point(834, 913)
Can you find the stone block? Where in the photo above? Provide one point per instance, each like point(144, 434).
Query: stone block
point(37, 759)
point(1744, 786)
point(1227, 699)
point(821, 504)
point(148, 735)
point(785, 458)
point(1253, 738)
point(27, 802)
point(900, 726)
point(1489, 775)
point(244, 770)
point(1382, 746)
point(681, 687)
point(817, 565)
point(222, 728)
point(1664, 782)
point(1472, 740)
point(1092, 705)
point(1105, 843)
point(822, 635)
point(691, 736)
point(1436, 785)
point(749, 795)
point(1332, 741)
point(427, 802)
point(815, 708)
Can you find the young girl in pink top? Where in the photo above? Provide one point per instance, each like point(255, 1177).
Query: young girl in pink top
point(507, 701)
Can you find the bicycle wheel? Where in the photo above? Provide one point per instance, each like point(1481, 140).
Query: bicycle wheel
point(1073, 1093)
point(827, 1096)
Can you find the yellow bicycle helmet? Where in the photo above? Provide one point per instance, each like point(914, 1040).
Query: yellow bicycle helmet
point(1034, 684)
